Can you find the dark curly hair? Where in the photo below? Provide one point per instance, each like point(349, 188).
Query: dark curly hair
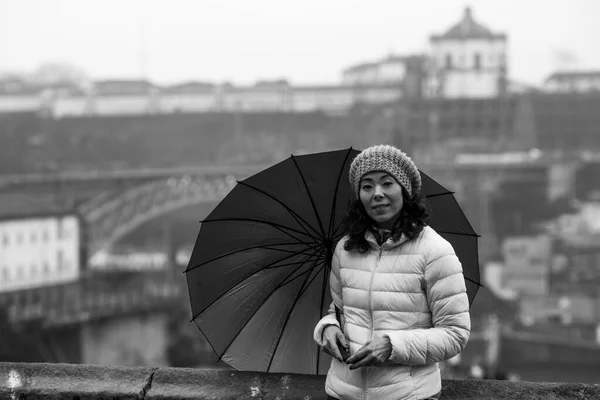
point(413, 218)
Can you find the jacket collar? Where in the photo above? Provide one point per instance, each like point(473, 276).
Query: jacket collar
point(388, 244)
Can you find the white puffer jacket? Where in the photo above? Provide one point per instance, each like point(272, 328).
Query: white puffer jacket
point(412, 291)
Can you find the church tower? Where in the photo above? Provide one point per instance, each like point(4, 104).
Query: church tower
point(467, 61)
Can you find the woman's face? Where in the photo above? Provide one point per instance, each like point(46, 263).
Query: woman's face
point(381, 195)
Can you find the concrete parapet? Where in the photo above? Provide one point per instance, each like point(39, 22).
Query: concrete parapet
point(78, 382)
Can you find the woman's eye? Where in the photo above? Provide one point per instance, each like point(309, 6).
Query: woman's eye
point(366, 187)
point(388, 184)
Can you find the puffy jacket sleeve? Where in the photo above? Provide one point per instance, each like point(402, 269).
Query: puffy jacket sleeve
point(447, 297)
point(335, 287)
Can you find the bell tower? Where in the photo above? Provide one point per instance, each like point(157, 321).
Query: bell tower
point(467, 61)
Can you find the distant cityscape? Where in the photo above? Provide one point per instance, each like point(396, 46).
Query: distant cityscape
point(468, 60)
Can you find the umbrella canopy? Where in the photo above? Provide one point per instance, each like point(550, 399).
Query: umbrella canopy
point(258, 274)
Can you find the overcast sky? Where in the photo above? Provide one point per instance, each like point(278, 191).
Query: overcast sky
point(305, 41)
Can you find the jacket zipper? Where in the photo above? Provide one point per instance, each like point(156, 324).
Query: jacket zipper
point(364, 370)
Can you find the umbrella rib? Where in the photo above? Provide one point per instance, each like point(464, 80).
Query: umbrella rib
point(288, 264)
point(251, 274)
point(292, 279)
point(285, 251)
point(287, 319)
point(323, 289)
point(463, 214)
point(337, 186)
point(460, 233)
point(273, 224)
point(253, 313)
point(439, 194)
point(321, 265)
point(245, 249)
point(282, 284)
point(312, 201)
point(471, 280)
point(297, 217)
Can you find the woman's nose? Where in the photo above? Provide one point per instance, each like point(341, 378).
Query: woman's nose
point(378, 195)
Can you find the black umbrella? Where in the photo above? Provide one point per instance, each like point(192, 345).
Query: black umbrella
point(258, 274)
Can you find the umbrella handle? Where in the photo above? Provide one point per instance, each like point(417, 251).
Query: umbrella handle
point(339, 317)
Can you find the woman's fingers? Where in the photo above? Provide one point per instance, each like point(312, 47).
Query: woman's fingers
point(342, 339)
point(332, 350)
point(360, 354)
point(367, 360)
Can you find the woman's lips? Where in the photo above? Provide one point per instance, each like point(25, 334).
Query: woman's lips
point(380, 207)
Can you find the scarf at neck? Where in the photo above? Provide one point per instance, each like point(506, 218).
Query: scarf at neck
point(381, 235)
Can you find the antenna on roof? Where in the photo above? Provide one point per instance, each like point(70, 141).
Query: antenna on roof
point(142, 46)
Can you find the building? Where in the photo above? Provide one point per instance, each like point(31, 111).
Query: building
point(573, 81)
point(468, 60)
point(405, 72)
point(38, 251)
point(559, 122)
point(527, 264)
point(465, 124)
point(39, 243)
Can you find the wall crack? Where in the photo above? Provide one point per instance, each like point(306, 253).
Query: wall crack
point(147, 386)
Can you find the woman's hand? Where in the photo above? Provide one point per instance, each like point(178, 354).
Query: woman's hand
point(334, 343)
point(375, 352)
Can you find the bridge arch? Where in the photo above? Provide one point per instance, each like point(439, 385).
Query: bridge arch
point(107, 219)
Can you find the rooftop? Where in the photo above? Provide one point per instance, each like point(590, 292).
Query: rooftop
point(468, 28)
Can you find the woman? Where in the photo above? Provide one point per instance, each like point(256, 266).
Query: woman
point(399, 287)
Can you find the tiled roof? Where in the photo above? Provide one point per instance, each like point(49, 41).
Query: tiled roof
point(112, 87)
point(23, 206)
point(190, 87)
point(392, 58)
point(567, 75)
point(359, 67)
point(468, 28)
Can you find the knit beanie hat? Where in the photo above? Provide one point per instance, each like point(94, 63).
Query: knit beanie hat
point(388, 159)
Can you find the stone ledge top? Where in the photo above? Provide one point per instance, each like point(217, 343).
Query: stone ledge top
point(79, 382)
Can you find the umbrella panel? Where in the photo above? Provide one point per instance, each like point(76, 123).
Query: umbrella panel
point(447, 216)
point(247, 224)
point(206, 285)
point(299, 332)
point(253, 347)
point(311, 185)
point(272, 345)
point(230, 312)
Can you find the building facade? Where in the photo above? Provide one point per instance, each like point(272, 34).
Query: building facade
point(39, 251)
point(568, 82)
point(468, 60)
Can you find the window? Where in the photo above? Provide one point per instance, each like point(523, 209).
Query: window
point(477, 61)
point(501, 60)
point(60, 260)
point(5, 239)
point(449, 61)
point(45, 236)
point(33, 238)
point(63, 231)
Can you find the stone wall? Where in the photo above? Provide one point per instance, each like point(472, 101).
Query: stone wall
point(79, 382)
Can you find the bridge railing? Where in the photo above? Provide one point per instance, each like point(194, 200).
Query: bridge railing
point(94, 296)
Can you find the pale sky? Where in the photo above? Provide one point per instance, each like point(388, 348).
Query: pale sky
point(305, 41)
